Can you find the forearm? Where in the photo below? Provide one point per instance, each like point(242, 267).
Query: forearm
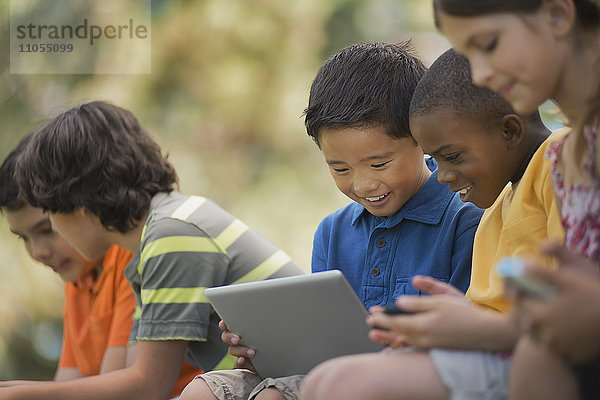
point(62, 375)
point(115, 358)
point(151, 377)
point(67, 374)
point(126, 384)
point(492, 331)
point(4, 384)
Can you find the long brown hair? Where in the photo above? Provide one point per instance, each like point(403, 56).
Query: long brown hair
point(588, 18)
point(588, 11)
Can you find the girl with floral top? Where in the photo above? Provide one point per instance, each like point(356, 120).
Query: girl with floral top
point(530, 51)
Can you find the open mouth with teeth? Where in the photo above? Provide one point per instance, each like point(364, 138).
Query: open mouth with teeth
point(375, 199)
point(465, 191)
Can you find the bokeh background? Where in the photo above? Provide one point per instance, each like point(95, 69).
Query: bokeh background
point(229, 82)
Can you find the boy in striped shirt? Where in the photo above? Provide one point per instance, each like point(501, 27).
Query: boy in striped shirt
point(104, 181)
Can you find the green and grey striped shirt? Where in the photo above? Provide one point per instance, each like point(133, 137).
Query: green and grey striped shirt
point(188, 244)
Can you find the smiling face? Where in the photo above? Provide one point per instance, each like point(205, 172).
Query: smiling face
point(373, 169)
point(518, 56)
point(473, 159)
point(33, 226)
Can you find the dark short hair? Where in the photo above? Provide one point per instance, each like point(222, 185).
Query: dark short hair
point(96, 156)
point(364, 84)
point(448, 84)
point(10, 198)
point(588, 13)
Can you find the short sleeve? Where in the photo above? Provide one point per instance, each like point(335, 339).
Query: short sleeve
point(319, 252)
point(177, 262)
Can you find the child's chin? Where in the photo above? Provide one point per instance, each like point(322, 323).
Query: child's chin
point(482, 203)
point(380, 212)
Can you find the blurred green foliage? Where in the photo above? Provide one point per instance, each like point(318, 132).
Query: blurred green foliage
point(229, 83)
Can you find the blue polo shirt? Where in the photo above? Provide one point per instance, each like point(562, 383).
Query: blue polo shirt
point(432, 234)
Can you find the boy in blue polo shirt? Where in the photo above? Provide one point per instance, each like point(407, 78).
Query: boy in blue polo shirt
point(402, 221)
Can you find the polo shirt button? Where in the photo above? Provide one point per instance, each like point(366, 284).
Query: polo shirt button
point(381, 243)
point(375, 272)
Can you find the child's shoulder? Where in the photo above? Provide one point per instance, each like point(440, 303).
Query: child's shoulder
point(540, 164)
point(116, 259)
point(176, 214)
point(556, 137)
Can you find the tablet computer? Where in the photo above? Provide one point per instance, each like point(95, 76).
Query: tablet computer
point(296, 322)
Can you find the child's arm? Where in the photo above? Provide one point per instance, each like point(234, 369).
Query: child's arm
point(67, 374)
point(568, 323)
point(115, 355)
point(426, 284)
point(62, 374)
point(151, 377)
point(446, 319)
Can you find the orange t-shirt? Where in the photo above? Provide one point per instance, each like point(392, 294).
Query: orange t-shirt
point(98, 314)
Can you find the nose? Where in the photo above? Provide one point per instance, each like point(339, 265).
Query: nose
point(481, 71)
point(364, 184)
point(446, 176)
point(41, 250)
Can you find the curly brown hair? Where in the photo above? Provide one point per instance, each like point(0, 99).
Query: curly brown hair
point(96, 156)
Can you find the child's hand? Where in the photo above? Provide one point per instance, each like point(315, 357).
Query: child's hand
point(433, 286)
point(426, 284)
point(438, 321)
point(235, 349)
point(569, 322)
point(386, 338)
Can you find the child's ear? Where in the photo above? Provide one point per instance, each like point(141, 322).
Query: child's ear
point(562, 14)
point(513, 130)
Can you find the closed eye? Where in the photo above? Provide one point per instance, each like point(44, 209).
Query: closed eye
point(47, 231)
point(491, 45)
point(381, 165)
point(339, 170)
point(451, 157)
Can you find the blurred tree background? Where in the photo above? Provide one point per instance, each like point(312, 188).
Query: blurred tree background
point(229, 82)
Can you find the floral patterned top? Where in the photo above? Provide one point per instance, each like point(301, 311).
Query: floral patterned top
point(575, 165)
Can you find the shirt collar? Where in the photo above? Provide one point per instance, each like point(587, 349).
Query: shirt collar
point(88, 281)
point(419, 208)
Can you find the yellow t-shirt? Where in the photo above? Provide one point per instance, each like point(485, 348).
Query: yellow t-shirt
point(524, 215)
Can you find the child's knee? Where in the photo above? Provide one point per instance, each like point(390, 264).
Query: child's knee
point(197, 389)
point(323, 378)
point(269, 394)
